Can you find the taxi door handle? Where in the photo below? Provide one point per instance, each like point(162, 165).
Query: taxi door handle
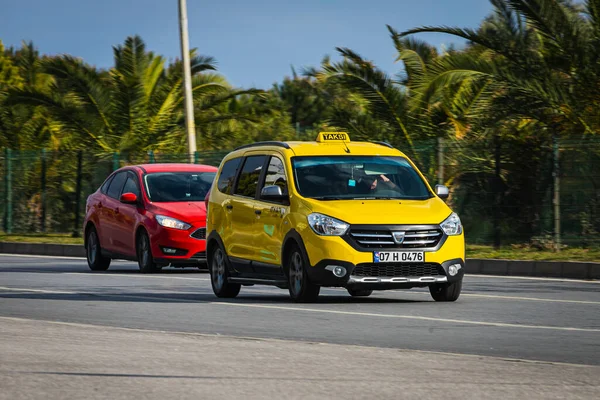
point(257, 212)
point(229, 207)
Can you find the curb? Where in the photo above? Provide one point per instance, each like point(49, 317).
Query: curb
point(43, 249)
point(542, 269)
point(545, 269)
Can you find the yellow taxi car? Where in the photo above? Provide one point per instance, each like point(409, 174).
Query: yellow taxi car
point(334, 213)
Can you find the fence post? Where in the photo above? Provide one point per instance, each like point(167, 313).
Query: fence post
point(151, 158)
point(498, 188)
point(8, 191)
point(556, 199)
point(76, 227)
point(196, 157)
point(43, 187)
point(115, 160)
point(440, 157)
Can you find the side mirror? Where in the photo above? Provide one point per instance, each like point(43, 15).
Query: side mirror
point(273, 193)
point(129, 198)
point(206, 198)
point(442, 191)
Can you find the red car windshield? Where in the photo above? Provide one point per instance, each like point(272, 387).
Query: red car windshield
point(178, 186)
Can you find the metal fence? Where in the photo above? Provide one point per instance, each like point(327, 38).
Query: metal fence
point(506, 192)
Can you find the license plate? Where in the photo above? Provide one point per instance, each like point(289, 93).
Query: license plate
point(398, 256)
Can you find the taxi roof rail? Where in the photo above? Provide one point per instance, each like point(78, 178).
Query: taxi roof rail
point(268, 143)
point(386, 144)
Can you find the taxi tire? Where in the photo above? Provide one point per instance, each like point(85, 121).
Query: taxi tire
point(446, 291)
point(227, 290)
point(308, 292)
point(96, 261)
point(146, 264)
point(360, 292)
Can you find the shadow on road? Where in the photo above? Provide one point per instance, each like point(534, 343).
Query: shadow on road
point(253, 378)
point(200, 297)
point(44, 269)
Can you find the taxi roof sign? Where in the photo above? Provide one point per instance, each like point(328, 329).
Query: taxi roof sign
point(333, 137)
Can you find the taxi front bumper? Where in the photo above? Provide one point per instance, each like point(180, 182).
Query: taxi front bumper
point(323, 274)
point(361, 270)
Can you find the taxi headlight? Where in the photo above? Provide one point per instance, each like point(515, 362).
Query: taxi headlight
point(452, 225)
point(326, 225)
point(172, 223)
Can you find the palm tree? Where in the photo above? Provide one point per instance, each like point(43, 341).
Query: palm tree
point(538, 59)
point(377, 106)
point(22, 127)
point(134, 106)
point(533, 66)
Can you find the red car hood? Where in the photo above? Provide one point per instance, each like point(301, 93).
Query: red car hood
point(191, 212)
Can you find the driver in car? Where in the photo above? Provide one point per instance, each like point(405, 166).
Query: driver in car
point(375, 183)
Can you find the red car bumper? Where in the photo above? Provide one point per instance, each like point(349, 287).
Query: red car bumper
point(177, 247)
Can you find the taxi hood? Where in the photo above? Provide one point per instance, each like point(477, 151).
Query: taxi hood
point(385, 212)
point(186, 211)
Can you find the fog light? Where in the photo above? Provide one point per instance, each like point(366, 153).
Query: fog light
point(453, 269)
point(168, 250)
point(339, 271)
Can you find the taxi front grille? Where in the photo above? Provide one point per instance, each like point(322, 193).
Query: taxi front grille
point(384, 239)
point(398, 270)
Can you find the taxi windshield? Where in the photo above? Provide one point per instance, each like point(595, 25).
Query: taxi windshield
point(178, 186)
point(360, 177)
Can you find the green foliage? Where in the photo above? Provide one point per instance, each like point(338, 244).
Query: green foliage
point(133, 107)
point(529, 75)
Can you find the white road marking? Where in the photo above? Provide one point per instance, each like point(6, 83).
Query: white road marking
point(37, 256)
point(531, 278)
point(276, 290)
point(314, 310)
point(95, 275)
point(219, 336)
point(413, 317)
point(14, 289)
point(509, 297)
point(382, 293)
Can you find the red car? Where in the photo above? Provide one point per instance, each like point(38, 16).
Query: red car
point(153, 214)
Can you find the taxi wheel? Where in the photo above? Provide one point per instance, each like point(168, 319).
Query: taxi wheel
point(96, 261)
point(360, 292)
point(446, 291)
point(219, 274)
point(302, 290)
point(144, 255)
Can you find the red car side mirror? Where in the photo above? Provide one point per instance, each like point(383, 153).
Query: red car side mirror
point(129, 198)
point(206, 200)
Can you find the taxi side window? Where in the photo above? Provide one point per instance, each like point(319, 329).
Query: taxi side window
point(248, 180)
point(131, 185)
point(227, 177)
point(276, 175)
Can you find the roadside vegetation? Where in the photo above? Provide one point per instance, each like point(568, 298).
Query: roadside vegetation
point(525, 87)
point(50, 238)
point(524, 252)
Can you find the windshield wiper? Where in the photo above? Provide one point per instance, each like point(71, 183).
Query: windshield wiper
point(329, 198)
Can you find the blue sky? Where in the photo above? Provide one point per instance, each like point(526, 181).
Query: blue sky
point(254, 42)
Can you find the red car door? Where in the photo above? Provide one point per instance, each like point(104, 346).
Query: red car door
point(126, 216)
point(108, 215)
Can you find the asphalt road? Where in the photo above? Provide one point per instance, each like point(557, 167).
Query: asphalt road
point(540, 322)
